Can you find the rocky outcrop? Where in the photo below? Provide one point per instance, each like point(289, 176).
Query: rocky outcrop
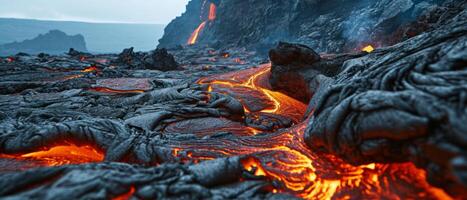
point(180, 29)
point(158, 59)
point(326, 26)
point(401, 103)
point(53, 42)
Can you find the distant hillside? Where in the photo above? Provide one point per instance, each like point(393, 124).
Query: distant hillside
point(100, 37)
point(53, 42)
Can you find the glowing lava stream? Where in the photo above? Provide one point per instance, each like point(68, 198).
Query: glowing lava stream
point(194, 36)
point(256, 79)
point(65, 154)
point(283, 156)
point(212, 12)
point(211, 17)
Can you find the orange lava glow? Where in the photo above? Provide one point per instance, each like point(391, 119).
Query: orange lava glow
point(127, 195)
point(256, 79)
point(66, 154)
point(194, 36)
point(283, 155)
point(90, 69)
point(212, 12)
point(368, 49)
point(72, 77)
point(112, 91)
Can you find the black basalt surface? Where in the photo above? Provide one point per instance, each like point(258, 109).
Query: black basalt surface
point(333, 26)
point(400, 103)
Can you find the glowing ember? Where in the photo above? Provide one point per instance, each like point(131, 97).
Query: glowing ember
point(126, 196)
point(90, 69)
point(194, 36)
point(212, 12)
point(368, 49)
point(62, 155)
point(72, 77)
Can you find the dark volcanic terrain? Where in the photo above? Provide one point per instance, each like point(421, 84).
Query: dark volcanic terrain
point(222, 121)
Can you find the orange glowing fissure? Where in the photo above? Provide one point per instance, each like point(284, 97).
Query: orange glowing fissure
point(68, 153)
point(113, 91)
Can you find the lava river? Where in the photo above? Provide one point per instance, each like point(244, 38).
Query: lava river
point(283, 157)
point(279, 154)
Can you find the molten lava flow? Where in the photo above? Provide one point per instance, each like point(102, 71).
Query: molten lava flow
point(283, 155)
point(113, 91)
point(253, 84)
point(212, 12)
point(211, 17)
point(72, 77)
point(90, 69)
point(194, 36)
point(368, 49)
point(68, 153)
point(225, 55)
point(127, 195)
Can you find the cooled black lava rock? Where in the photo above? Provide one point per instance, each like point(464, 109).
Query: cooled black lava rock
point(401, 103)
point(127, 56)
point(333, 26)
point(207, 180)
point(285, 59)
point(293, 55)
point(160, 59)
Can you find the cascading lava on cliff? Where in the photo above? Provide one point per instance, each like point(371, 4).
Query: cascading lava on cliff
point(210, 17)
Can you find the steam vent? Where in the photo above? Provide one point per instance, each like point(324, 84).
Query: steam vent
point(249, 99)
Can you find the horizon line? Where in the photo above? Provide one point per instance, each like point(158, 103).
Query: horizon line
point(79, 21)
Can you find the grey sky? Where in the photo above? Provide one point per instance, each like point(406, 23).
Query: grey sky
point(131, 11)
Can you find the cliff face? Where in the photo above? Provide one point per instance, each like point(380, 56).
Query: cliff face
point(179, 30)
point(53, 42)
point(327, 26)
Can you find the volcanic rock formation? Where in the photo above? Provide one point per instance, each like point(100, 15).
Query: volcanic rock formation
point(53, 42)
point(225, 125)
point(401, 103)
point(333, 26)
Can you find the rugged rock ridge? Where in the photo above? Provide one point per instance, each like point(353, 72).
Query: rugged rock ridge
point(401, 103)
point(53, 42)
point(179, 30)
point(326, 26)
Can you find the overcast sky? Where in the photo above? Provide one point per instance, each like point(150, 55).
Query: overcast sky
point(128, 11)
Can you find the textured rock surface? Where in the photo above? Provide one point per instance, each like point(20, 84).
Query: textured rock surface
point(401, 103)
point(333, 26)
point(236, 137)
point(111, 180)
point(160, 59)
